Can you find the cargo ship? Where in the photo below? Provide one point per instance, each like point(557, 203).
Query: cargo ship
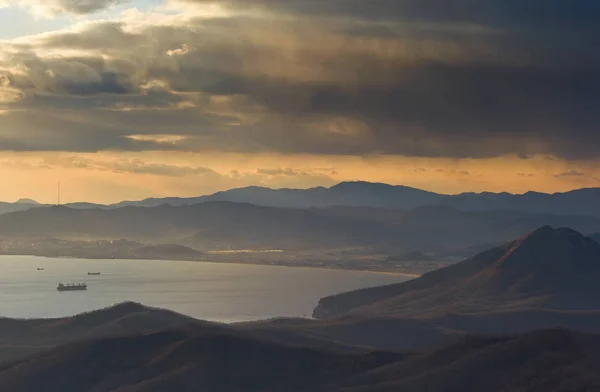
point(71, 286)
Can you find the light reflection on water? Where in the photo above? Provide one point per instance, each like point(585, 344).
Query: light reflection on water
point(210, 291)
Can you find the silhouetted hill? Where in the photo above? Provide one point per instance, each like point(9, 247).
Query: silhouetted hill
point(576, 202)
point(596, 237)
point(126, 317)
point(18, 337)
point(186, 359)
point(366, 194)
point(22, 337)
point(540, 361)
point(12, 207)
point(344, 194)
point(548, 268)
point(85, 205)
point(427, 331)
point(26, 201)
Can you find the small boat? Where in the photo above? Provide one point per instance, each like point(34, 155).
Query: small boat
point(93, 273)
point(40, 269)
point(71, 286)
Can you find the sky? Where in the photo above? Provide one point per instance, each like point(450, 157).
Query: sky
point(131, 99)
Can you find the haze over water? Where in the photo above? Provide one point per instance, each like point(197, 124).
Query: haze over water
point(209, 291)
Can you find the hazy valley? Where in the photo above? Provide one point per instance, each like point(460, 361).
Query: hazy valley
point(368, 236)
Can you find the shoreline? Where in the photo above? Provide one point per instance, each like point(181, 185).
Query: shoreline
point(265, 264)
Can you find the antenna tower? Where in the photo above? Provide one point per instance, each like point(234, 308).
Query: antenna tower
point(58, 195)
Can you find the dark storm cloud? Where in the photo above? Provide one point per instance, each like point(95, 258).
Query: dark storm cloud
point(65, 75)
point(432, 78)
point(86, 6)
point(525, 14)
point(47, 131)
point(77, 7)
point(109, 83)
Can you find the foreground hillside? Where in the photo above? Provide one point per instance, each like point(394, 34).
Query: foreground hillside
point(549, 268)
point(186, 359)
point(21, 337)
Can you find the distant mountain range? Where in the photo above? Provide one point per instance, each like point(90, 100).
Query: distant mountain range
point(223, 225)
point(26, 201)
point(552, 269)
point(365, 194)
point(13, 207)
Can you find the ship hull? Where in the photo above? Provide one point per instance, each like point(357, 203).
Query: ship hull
point(71, 288)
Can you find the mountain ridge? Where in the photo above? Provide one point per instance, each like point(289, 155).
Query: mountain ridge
point(468, 201)
point(547, 268)
point(367, 194)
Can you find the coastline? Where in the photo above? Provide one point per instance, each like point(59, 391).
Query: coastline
point(381, 271)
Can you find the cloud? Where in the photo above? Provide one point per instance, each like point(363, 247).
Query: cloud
point(464, 15)
point(450, 171)
point(461, 78)
point(570, 173)
point(189, 176)
point(134, 166)
point(282, 172)
point(56, 7)
point(290, 172)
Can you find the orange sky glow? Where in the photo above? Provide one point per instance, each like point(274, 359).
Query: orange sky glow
point(112, 177)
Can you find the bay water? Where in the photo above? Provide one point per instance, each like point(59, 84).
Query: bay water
point(209, 291)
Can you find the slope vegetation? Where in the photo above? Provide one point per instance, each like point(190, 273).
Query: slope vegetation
point(186, 359)
point(548, 268)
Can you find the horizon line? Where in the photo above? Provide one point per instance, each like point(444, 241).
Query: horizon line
point(22, 199)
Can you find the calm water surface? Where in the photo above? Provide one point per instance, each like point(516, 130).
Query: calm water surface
point(210, 291)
